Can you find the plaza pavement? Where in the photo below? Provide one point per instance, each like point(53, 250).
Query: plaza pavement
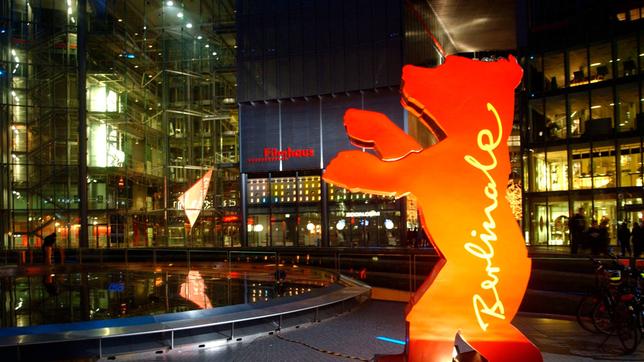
point(354, 334)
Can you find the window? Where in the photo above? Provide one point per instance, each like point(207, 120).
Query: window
point(626, 104)
point(630, 159)
point(606, 210)
point(535, 74)
point(310, 191)
point(310, 229)
point(284, 190)
point(102, 99)
point(555, 118)
point(540, 169)
point(553, 70)
point(538, 222)
point(578, 61)
point(258, 230)
point(600, 62)
point(581, 172)
point(558, 221)
point(601, 111)
point(537, 120)
point(603, 161)
point(626, 62)
point(550, 173)
point(258, 191)
point(578, 108)
point(557, 170)
point(105, 146)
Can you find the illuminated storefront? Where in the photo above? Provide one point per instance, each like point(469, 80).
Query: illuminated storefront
point(583, 128)
point(287, 204)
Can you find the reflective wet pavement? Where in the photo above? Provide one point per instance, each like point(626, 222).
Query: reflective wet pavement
point(355, 334)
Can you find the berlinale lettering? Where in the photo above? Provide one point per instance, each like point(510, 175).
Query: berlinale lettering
point(486, 251)
point(272, 154)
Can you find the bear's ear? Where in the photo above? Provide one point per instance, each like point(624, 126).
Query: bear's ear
point(513, 70)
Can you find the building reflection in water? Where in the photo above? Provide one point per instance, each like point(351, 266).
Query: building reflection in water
point(194, 290)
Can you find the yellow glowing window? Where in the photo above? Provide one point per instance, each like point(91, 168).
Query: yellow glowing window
point(635, 14)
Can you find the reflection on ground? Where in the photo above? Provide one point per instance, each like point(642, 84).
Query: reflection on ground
point(194, 290)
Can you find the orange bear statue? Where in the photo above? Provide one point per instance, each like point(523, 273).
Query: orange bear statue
point(478, 284)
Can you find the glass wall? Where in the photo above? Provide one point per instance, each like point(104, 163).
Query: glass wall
point(630, 160)
point(627, 106)
point(578, 61)
point(600, 62)
point(627, 56)
point(578, 113)
point(585, 131)
point(160, 113)
point(554, 72)
point(581, 169)
point(556, 118)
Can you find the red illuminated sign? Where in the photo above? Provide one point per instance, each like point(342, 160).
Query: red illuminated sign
point(230, 218)
point(272, 154)
point(477, 286)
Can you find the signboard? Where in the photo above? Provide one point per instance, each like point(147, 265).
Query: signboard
point(275, 155)
point(192, 200)
point(118, 287)
point(459, 183)
point(304, 134)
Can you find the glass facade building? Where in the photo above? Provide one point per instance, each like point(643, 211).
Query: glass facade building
point(301, 65)
point(160, 112)
point(162, 107)
point(583, 121)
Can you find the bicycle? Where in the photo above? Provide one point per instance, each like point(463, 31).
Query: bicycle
point(615, 307)
point(592, 311)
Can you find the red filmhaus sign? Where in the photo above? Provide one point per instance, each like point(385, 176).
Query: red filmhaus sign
point(272, 154)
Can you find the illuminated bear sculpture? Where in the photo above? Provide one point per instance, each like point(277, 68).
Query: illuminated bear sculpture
point(477, 286)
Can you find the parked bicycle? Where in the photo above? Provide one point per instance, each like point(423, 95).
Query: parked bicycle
point(615, 306)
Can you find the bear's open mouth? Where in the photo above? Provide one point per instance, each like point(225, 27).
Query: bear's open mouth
point(419, 110)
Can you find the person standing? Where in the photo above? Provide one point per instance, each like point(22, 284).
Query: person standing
point(48, 245)
point(594, 238)
point(577, 227)
point(604, 237)
point(636, 239)
point(624, 238)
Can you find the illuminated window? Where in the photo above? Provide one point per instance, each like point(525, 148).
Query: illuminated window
point(635, 14)
point(102, 99)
